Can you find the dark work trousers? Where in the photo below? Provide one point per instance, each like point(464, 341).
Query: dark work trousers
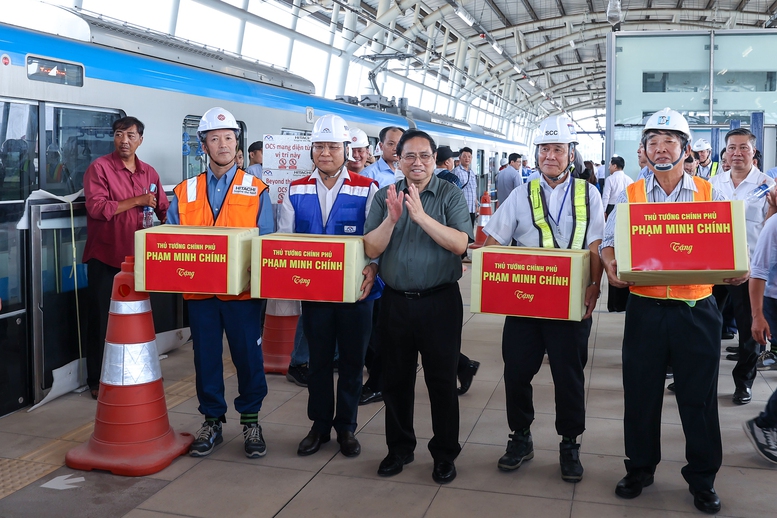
point(209, 319)
point(768, 418)
point(744, 372)
point(723, 301)
point(100, 277)
point(524, 343)
point(329, 325)
point(432, 326)
point(658, 333)
point(373, 360)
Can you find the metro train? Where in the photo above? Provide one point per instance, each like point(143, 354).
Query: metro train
point(61, 95)
point(58, 98)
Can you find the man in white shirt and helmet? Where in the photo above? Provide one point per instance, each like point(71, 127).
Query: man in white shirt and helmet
point(669, 325)
point(703, 150)
point(359, 151)
point(556, 210)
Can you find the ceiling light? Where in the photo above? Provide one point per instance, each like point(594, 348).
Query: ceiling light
point(517, 68)
point(497, 47)
point(464, 15)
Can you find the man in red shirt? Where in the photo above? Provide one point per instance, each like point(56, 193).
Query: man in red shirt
point(117, 187)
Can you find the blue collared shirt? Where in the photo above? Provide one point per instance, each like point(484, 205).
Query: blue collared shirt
point(763, 264)
point(380, 172)
point(217, 193)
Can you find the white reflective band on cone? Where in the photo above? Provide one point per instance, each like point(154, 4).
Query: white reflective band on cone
point(483, 221)
point(130, 364)
point(130, 308)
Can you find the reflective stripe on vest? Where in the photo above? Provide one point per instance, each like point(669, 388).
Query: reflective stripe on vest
point(580, 214)
point(714, 169)
point(637, 193)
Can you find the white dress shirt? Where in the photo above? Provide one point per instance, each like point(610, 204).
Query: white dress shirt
point(514, 219)
point(755, 211)
point(613, 186)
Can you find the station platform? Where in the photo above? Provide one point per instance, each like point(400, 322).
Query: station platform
point(34, 482)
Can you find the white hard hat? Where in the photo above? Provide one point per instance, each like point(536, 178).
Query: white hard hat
point(701, 145)
point(503, 162)
point(359, 138)
point(556, 129)
point(217, 118)
point(330, 128)
point(668, 119)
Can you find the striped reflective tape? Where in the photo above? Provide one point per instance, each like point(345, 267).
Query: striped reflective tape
point(130, 308)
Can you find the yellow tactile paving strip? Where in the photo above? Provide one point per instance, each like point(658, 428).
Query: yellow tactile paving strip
point(18, 473)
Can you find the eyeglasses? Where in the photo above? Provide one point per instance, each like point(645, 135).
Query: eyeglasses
point(333, 148)
point(410, 158)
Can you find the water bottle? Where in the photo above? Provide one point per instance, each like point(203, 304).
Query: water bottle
point(148, 211)
point(757, 193)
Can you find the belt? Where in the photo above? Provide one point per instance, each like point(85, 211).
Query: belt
point(419, 294)
point(669, 302)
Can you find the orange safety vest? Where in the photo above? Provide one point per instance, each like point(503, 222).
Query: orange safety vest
point(240, 209)
point(637, 193)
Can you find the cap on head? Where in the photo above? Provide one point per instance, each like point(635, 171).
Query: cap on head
point(217, 118)
point(503, 162)
point(701, 145)
point(444, 153)
point(668, 120)
point(330, 128)
point(556, 129)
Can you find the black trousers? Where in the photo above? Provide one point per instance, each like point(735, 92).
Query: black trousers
point(431, 326)
point(744, 371)
point(687, 338)
point(374, 362)
point(100, 277)
point(524, 343)
point(327, 326)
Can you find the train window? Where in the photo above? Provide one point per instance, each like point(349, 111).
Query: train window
point(57, 72)
point(19, 149)
point(75, 137)
point(194, 158)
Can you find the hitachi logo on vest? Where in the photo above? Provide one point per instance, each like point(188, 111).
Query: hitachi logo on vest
point(247, 190)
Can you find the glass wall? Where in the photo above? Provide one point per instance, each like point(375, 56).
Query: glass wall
point(650, 71)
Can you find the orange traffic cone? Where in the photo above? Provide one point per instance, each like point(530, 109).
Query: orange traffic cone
point(483, 216)
point(132, 435)
point(280, 326)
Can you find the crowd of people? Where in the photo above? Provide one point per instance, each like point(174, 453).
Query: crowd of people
point(415, 210)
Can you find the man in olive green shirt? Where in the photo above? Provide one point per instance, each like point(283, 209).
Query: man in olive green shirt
point(419, 233)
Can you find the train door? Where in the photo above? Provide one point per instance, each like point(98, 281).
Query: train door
point(74, 137)
point(18, 175)
point(479, 167)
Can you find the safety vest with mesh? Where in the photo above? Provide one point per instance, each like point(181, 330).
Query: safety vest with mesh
point(714, 169)
point(580, 214)
point(637, 193)
point(240, 209)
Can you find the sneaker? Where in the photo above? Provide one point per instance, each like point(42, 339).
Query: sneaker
point(206, 439)
point(767, 361)
point(764, 440)
point(253, 440)
point(520, 447)
point(298, 374)
point(569, 458)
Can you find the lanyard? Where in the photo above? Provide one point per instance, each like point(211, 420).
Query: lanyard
point(563, 200)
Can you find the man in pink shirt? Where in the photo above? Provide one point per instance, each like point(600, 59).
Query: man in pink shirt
point(117, 187)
